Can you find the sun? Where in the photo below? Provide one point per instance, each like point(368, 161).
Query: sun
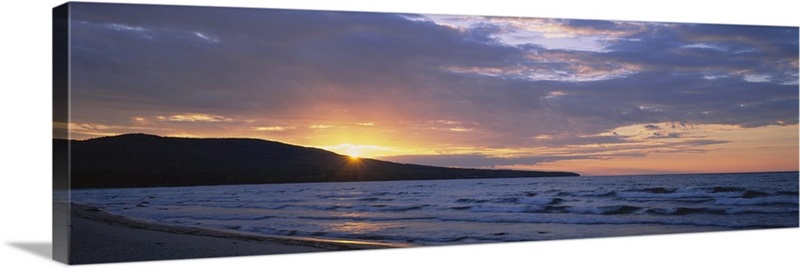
point(353, 152)
point(357, 151)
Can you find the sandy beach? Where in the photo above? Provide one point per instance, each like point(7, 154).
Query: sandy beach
point(98, 237)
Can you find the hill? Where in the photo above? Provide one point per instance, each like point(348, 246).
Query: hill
point(140, 160)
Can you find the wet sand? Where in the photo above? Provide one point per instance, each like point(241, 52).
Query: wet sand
point(98, 237)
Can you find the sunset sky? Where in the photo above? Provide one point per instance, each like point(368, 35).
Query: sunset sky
point(593, 97)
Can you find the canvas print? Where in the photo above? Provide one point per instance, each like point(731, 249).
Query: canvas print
point(191, 132)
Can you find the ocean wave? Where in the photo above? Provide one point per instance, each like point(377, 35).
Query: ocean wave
point(692, 193)
point(217, 217)
point(588, 193)
point(538, 201)
point(368, 218)
point(626, 220)
point(680, 211)
point(388, 208)
point(496, 209)
point(621, 210)
point(769, 200)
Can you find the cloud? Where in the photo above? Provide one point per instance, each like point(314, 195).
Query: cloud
point(666, 135)
point(320, 126)
point(195, 118)
point(274, 128)
point(557, 34)
point(344, 59)
point(206, 37)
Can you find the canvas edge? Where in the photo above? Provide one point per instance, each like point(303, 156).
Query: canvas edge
point(60, 59)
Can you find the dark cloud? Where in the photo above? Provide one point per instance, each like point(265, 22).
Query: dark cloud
point(666, 135)
point(775, 42)
point(274, 61)
point(591, 24)
point(711, 48)
point(652, 127)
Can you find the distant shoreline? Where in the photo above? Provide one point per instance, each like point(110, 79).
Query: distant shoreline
point(99, 237)
point(143, 160)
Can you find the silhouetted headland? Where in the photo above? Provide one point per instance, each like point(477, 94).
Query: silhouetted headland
point(141, 160)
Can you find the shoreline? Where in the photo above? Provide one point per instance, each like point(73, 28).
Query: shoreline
point(99, 237)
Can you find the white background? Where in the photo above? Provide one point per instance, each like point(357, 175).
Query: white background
point(25, 122)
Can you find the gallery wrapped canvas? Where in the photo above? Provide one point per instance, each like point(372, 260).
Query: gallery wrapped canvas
point(191, 132)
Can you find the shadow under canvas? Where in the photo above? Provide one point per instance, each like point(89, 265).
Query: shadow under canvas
point(41, 249)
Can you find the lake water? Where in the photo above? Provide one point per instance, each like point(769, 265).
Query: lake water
point(444, 212)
